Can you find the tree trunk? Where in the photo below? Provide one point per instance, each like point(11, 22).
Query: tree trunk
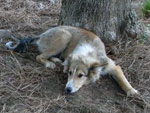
point(109, 19)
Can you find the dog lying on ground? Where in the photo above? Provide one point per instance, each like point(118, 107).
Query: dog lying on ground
point(84, 56)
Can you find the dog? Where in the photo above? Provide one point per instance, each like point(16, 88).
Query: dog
point(85, 58)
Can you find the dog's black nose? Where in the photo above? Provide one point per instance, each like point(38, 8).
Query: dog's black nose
point(68, 89)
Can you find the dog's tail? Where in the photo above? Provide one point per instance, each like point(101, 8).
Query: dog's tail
point(22, 44)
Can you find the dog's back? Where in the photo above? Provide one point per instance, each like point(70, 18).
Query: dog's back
point(71, 36)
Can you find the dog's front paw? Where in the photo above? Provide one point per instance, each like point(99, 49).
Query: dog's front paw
point(50, 65)
point(132, 92)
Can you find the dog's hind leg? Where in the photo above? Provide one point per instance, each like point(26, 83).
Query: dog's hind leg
point(53, 50)
point(119, 76)
point(55, 60)
point(52, 43)
point(43, 58)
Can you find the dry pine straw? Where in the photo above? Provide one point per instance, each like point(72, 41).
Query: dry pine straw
point(27, 87)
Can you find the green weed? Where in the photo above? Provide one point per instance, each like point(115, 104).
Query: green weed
point(146, 8)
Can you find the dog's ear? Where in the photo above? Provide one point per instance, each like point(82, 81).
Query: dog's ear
point(102, 62)
point(94, 64)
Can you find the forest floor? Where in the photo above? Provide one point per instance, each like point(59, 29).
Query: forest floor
point(28, 87)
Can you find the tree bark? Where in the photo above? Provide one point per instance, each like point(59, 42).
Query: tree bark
point(109, 19)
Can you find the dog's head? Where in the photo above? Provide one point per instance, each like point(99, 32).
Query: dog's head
point(81, 71)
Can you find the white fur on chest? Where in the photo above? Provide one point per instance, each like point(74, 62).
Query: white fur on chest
point(83, 50)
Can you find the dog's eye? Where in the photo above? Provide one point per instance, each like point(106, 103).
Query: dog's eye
point(80, 75)
point(70, 73)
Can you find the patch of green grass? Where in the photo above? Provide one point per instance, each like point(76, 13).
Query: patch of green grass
point(146, 8)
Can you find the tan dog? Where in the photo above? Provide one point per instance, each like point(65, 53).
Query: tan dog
point(84, 56)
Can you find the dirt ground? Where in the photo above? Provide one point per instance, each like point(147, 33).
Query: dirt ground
point(28, 87)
